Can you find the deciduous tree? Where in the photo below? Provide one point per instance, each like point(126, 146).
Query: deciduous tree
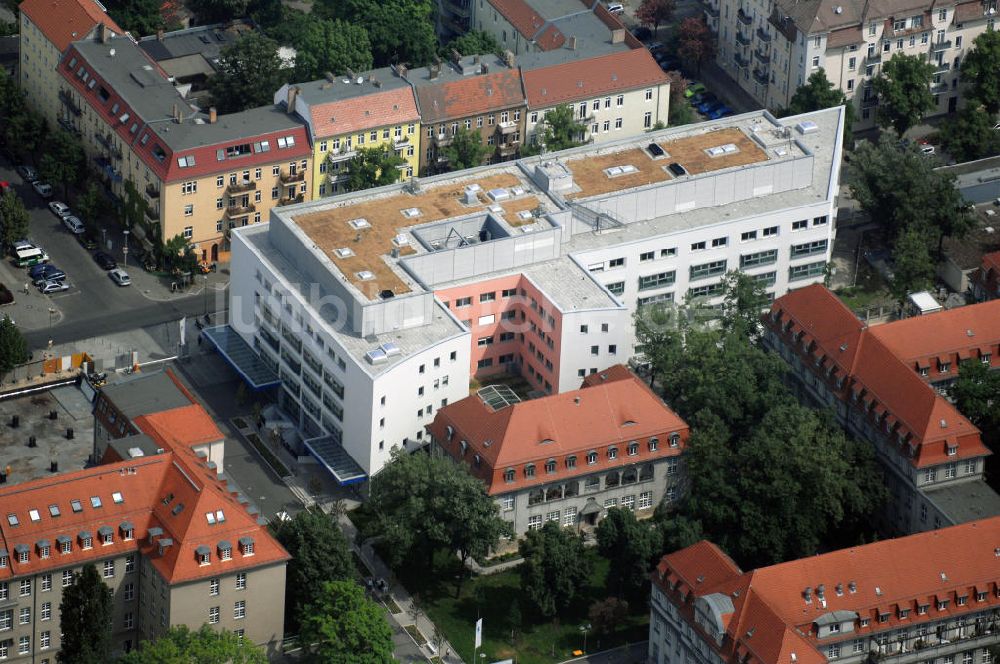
point(981, 71)
point(561, 129)
point(607, 614)
point(399, 30)
point(655, 12)
point(180, 645)
point(63, 161)
point(630, 546)
point(913, 267)
point(555, 568)
point(473, 42)
point(344, 627)
point(218, 11)
point(466, 149)
point(743, 302)
point(681, 112)
point(329, 46)
point(249, 73)
point(425, 503)
point(903, 89)
point(899, 188)
point(373, 167)
point(319, 551)
point(25, 134)
point(13, 347)
point(970, 135)
point(819, 93)
point(13, 219)
point(85, 617)
point(977, 396)
point(695, 42)
point(90, 205)
point(140, 17)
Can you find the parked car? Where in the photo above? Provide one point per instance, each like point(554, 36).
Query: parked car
point(708, 105)
point(120, 277)
point(87, 241)
point(52, 275)
point(695, 88)
point(616, 8)
point(42, 189)
point(927, 149)
point(60, 209)
point(654, 45)
point(74, 225)
point(28, 173)
point(47, 287)
point(38, 271)
point(719, 111)
point(105, 260)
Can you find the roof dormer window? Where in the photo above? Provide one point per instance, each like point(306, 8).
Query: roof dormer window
point(203, 555)
point(922, 609)
point(246, 546)
point(508, 475)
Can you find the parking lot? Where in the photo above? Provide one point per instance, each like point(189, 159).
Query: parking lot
point(92, 297)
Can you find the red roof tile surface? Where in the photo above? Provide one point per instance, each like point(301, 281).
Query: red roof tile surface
point(596, 417)
point(65, 21)
point(364, 112)
point(863, 367)
point(520, 15)
point(771, 618)
point(583, 79)
point(471, 95)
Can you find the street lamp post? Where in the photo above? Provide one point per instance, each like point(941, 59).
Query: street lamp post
point(206, 296)
point(125, 250)
point(585, 629)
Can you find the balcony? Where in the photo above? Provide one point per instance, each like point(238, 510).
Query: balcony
point(240, 187)
point(152, 213)
point(940, 45)
point(297, 176)
point(942, 67)
point(236, 211)
point(458, 7)
point(741, 62)
point(763, 36)
point(712, 11)
point(70, 127)
point(442, 140)
point(934, 648)
point(873, 58)
point(939, 88)
point(743, 17)
point(760, 76)
point(400, 143)
point(341, 154)
point(108, 143)
point(764, 58)
point(152, 191)
point(508, 148)
point(742, 39)
point(67, 99)
point(291, 201)
point(507, 128)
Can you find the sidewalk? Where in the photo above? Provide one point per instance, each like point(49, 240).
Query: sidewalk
point(399, 595)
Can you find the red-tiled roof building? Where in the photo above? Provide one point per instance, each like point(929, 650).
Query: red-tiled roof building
point(568, 457)
point(173, 541)
point(883, 383)
point(930, 597)
point(986, 280)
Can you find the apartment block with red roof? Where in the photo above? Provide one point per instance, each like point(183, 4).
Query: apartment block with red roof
point(932, 597)
point(884, 384)
point(986, 281)
point(173, 540)
point(476, 93)
point(47, 29)
point(199, 173)
point(568, 457)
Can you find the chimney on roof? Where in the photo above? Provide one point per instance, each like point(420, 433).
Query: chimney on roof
point(330, 77)
point(456, 57)
point(293, 93)
point(618, 35)
point(377, 83)
point(103, 34)
point(572, 43)
point(509, 59)
point(350, 73)
point(433, 71)
point(401, 70)
point(213, 115)
point(159, 34)
point(484, 68)
point(944, 423)
point(176, 114)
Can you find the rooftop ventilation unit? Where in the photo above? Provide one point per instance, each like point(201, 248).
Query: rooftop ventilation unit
point(470, 196)
point(401, 240)
point(390, 349)
point(781, 152)
point(524, 215)
point(720, 150)
point(499, 194)
point(365, 275)
point(358, 224)
point(343, 252)
point(376, 356)
point(807, 127)
point(517, 191)
point(616, 171)
point(410, 213)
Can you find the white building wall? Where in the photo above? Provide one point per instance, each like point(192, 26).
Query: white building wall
point(614, 345)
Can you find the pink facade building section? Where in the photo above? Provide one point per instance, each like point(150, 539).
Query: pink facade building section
point(515, 328)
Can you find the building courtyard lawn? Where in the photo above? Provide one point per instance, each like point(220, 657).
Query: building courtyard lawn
point(491, 597)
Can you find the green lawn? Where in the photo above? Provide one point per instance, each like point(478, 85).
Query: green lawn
point(868, 291)
point(491, 597)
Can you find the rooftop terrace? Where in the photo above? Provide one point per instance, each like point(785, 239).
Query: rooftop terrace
point(369, 229)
